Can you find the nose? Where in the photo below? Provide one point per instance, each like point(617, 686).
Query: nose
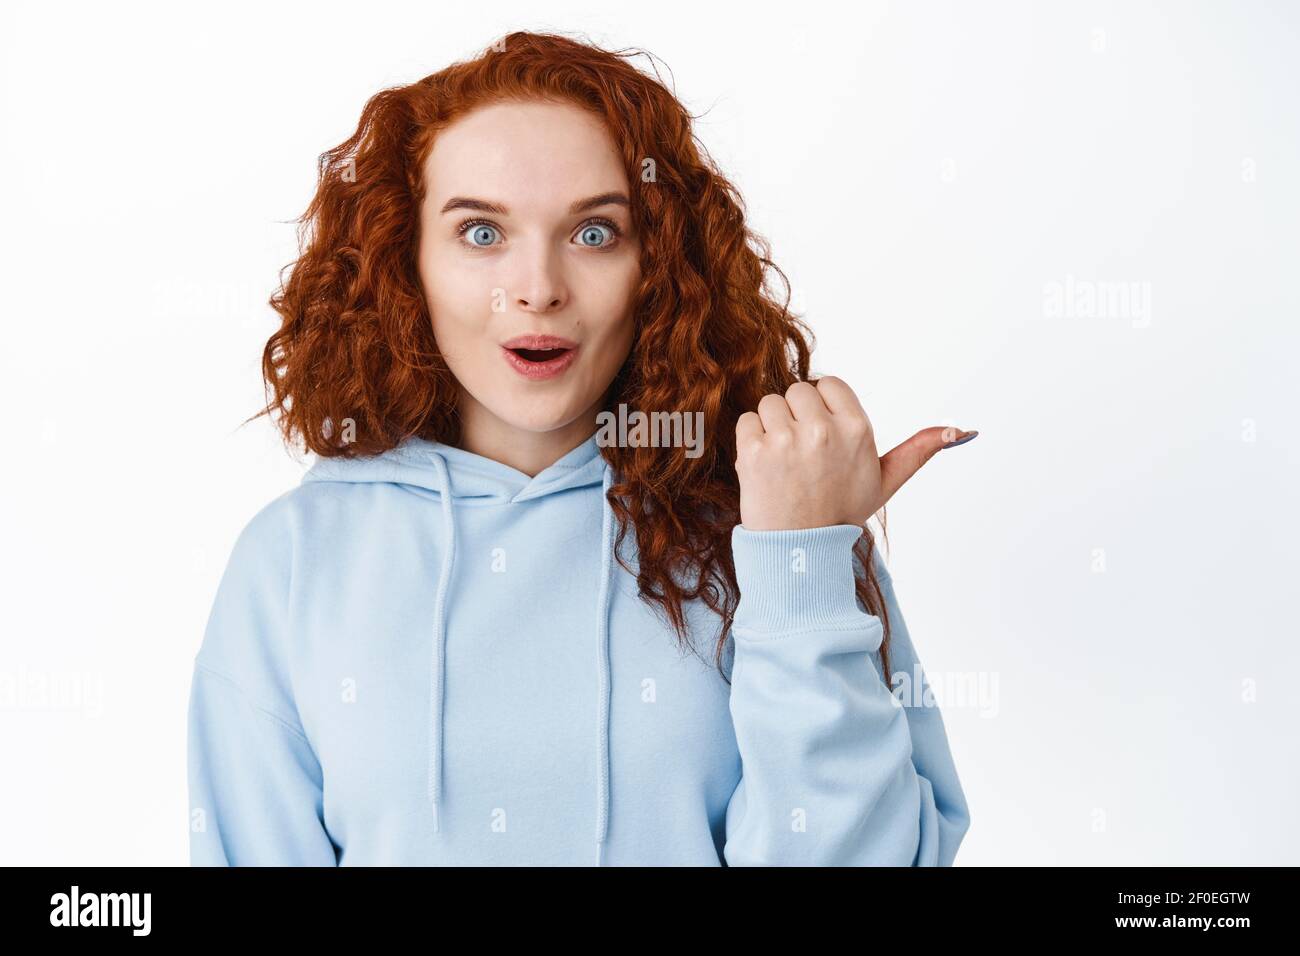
point(541, 281)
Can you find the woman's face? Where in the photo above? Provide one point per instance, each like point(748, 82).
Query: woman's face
point(525, 231)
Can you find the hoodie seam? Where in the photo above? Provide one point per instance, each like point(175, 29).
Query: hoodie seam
point(757, 635)
point(266, 712)
point(416, 455)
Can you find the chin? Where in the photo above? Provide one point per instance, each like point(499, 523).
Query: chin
point(536, 417)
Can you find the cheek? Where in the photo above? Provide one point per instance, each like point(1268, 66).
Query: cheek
point(617, 289)
point(610, 321)
point(457, 302)
point(616, 337)
point(625, 326)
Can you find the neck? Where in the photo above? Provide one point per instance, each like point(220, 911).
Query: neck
point(530, 452)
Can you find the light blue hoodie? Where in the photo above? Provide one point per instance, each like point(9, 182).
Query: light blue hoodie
point(428, 657)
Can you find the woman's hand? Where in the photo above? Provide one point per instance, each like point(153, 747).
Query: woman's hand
point(809, 459)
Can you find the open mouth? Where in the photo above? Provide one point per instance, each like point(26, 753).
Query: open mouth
point(539, 355)
point(539, 363)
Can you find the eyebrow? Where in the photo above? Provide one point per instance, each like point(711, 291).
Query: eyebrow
point(582, 205)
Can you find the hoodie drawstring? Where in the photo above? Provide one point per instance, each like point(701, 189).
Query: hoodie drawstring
point(440, 638)
point(602, 657)
point(603, 602)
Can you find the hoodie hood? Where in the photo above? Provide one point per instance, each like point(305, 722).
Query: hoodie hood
point(474, 478)
point(461, 478)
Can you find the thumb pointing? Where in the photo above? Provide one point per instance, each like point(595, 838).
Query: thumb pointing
point(905, 460)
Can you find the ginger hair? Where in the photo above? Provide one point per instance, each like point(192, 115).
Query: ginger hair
point(356, 339)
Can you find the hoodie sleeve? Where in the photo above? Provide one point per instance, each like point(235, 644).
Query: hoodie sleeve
point(836, 769)
point(255, 785)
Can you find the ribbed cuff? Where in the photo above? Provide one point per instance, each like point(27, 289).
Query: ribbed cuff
point(795, 580)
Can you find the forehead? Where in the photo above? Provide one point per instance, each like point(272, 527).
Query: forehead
point(525, 155)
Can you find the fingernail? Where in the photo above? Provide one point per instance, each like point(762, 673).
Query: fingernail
point(961, 440)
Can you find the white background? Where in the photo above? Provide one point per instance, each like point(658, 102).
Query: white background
point(1113, 556)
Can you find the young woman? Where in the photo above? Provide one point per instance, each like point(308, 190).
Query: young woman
point(490, 627)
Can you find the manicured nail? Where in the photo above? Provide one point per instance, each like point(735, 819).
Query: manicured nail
point(961, 439)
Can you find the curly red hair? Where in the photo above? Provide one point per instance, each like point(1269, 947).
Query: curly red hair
point(356, 340)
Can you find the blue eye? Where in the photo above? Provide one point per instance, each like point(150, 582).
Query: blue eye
point(594, 230)
point(480, 231)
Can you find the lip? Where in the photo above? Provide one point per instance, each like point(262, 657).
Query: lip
point(535, 340)
point(539, 371)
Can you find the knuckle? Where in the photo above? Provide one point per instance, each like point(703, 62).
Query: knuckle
point(818, 434)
